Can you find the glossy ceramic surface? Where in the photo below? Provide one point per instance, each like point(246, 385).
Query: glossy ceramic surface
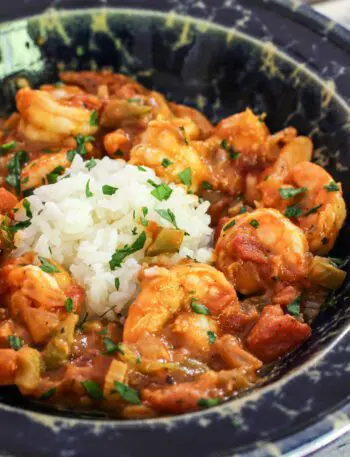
point(221, 59)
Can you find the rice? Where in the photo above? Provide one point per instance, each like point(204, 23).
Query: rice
point(82, 232)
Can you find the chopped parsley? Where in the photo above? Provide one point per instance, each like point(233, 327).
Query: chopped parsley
point(134, 231)
point(168, 215)
point(80, 148)
point(19, 226)
point(229, 225)
point(93, 390)
point(242, 210)
point(232, 153)
point(166, 162)
point(110, 346)
point(14, 166)
point(152, 182)
point(162, 192)
point(198, 308)
point(7, 147)
point(54, 175)
point(28, 209)
point(254, 223)
point(48, 394)
point(109, 190)
point(15, 342)
point(313, 210)
point(127, 393)
point(211, 336)
point(68, 304)
point(206, 185)
point(88, 192)
point(293, 211)
point(90, 163)
point(287, 193)
point(47, 266)
point(121, 254)
point(94, 118)
point(143, 219)
point(332, 187)
point(208, 402)
point(119, 153)
point(186, 177)
point(294, 307)
point(183, 131)
point(141, 168)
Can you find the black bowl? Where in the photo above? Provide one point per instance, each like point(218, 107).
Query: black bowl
point(221, 62)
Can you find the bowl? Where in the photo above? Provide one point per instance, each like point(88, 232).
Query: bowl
point(219, 56)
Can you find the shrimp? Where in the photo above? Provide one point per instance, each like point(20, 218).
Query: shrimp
point(44, 170)
point(117, 144)
point(166, 148)
point(39, 297)
point(257, 250)
point(172, 296)
point(241, 144)
point(49, 116)
point(314, 201)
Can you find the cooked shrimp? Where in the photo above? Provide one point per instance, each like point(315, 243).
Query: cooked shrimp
point(315, 202)
point(259, 249)
point(163, 140)
point(44, 170)
point(117, 144)
point(176, 293)
point(239, 145)
point(49, 117)
point(37, 296)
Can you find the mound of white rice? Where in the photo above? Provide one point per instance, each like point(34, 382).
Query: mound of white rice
point(76, 224)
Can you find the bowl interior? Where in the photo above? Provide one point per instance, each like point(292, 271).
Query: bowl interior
point(217, 70)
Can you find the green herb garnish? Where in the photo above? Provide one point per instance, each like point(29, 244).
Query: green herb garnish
point(186, 177)
point(229, 225)
point(166, 162)
point(206, 185)
point(143, 219)
point(7, 146)
point(332, 187)
point(208, 402)
point(80, 148)
point(117, 283)
point(287, 193)
point(110, 345)
point(198, 308)
point(28, 209)
point(15, 342)
point(313, 210)
point(68, 304)
point(47, 266)
point(162, 192)
point(294, 307)
point(93, 390)
point(48, 394)
point(94, 118)
point(109, 190)
point(90, 163)
point(168, 215)
point(254, 223)
point(121, 254)
point(293, 211)
point(14, 166)
point(141, 168)
point(211, 336)
point(127, 393)
point(88, 192)
point(54, 175)
point(183, 131)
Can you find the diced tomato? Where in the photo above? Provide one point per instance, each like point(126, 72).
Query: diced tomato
point(276, 334)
